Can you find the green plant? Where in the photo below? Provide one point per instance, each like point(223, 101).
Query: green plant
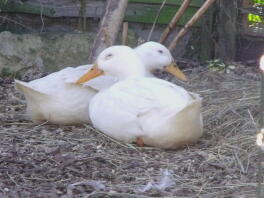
point(218, 65)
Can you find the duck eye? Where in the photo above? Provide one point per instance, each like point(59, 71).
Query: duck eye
point(160, 51)
point(108, 56)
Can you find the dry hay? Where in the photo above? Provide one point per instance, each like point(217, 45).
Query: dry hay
point(44, 160)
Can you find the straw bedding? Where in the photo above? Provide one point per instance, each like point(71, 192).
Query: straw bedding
point(45, 160)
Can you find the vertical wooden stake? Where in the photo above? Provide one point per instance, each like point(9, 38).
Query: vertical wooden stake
point(82, 16)
point(226, 30)
point(124, 33)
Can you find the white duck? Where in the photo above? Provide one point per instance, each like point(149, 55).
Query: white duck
point(142, 109)
point(58, 99)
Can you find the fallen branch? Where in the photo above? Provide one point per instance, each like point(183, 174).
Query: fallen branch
point(189, 24)
point(174, 20)
point(5, 18)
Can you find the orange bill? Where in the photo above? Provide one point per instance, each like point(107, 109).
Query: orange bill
point(92, 73)
point(174, 70)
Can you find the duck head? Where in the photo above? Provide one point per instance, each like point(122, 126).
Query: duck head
point(156, 56)
point(118, 61)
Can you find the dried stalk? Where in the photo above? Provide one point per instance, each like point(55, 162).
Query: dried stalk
point(156, 19)
point(189, 24)
point(174, 20)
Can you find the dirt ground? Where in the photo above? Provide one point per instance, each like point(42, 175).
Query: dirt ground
point(45, 160)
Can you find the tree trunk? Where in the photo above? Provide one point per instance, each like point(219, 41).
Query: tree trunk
point(109, 26)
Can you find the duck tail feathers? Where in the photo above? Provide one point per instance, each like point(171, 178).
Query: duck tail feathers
point(28, 91)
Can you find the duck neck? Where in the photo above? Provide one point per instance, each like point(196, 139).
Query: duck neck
point(133, 72)
point(149, 73)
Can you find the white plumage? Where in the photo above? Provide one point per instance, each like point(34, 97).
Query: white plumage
point(158, 112)
point(58, 99)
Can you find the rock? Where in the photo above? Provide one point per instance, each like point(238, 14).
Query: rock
point(16, 51)
point(48, 52)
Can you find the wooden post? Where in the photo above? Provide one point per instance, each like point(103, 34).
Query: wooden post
point(226, 30)
point(207, 38)
point(82, 17)
point(124, 33)
point(109, 27)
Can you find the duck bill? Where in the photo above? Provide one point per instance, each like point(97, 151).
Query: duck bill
point(91, 74)
point(174, 70)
